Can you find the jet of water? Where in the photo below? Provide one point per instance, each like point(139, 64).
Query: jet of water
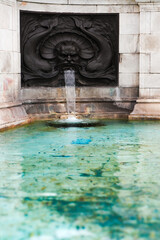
point(69, 77)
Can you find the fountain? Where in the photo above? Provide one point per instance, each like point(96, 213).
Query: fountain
point(70, 50)
point(72, 120)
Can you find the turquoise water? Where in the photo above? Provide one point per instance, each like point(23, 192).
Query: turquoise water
point(92, 183)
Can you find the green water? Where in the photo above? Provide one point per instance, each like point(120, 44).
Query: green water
point(95, 183)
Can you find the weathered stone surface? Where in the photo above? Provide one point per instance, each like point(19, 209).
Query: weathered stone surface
point(129, 23)
point(117, 8)
point(145, 63)
point(5, 40)
point(145, 22)
point(46, 1)
point(129, 43)
point(5, 62)
point(155, 20)
point(150, 81)
point(148, 93)
point(104, 2)
point(155, 62)
point(57, 8)
point(5, 17)
point(12, 116)
point(146, 110)
point(149, 43)
point(84, 93)
point(129, 63)
point(147, 1)
point(79, 2)
point(129, 80)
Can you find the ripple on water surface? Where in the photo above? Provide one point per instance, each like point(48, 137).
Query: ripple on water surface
point(92, 183)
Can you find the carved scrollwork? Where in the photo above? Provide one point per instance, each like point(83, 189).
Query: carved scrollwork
point(51, 43)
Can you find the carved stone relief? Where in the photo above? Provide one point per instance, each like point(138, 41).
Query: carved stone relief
point(51, 43)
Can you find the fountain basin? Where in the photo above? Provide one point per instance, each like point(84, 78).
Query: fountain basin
point(83, 183)
point(75, 122)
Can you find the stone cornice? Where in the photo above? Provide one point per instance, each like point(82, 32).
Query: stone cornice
point(8, 2)
point(147, 1)
point(82, 2)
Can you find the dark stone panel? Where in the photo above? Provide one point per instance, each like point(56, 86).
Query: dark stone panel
point(53, 43)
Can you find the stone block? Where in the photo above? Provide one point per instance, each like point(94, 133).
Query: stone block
point(5, 17)
point(129, 43)
point(129, 23)
point(145, 22)
point(8, 2)
point(9, 62)
point(117, 8)
point(15, 18)
point(5, 40)
point(155, 20)
point(129, 93)
point(16, 41)
point(128, 80)
point(146, 110)
point(111, 93)
point(149, 93)
point(149, 80)
point(129, 63)
point(16, 62)
point(104, 2)
point(97, 92)
point(144, 63)
point(17, 82)
point(155, 62)
point(34, 94)
point(5, 62)
point(12, 116)
point(144, 92)
point(57, 8)
point(46, 1)
point(1, 84)
point(150, 7)
point(9, 86)
point(149, 43)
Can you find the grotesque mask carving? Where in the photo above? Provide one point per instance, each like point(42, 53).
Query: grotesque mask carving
point(67, 55)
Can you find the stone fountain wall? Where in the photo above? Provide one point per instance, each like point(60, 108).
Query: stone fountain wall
point(139, 57)
point(11, 109)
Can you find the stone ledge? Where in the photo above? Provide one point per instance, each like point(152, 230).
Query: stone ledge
point(12, 116)
point(8, 2)
point(44, 1)
point(112, 116)
point(147, 100)
point(78, 100)
point(149, 7)
point(30, 94)
point(82, 2)
point(146, 109)
point(147, 1)
point(82, 108)
point(54, 8)
point(10, 104)
point(103, 2)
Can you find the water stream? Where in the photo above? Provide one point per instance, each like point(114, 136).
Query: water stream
point(69, 77)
